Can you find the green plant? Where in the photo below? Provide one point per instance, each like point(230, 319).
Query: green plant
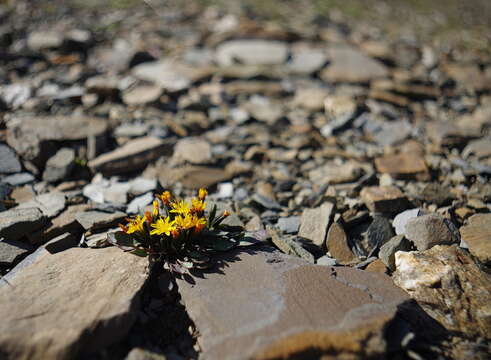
point(181, 235)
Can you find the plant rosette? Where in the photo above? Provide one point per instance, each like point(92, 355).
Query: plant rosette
point(179, 234)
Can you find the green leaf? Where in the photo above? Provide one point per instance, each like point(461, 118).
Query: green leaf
point(121, 239)
point(222, 244)
point(212, 215)
point(139, 252)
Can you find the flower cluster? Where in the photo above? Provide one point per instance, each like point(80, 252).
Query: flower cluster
point(174, 230)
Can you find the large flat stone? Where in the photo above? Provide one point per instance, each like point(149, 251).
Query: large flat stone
point(132, 156)
point(477, 235)
point(314, 223)
point(59, 305)
point(15, 223)
point(266, 305)
point(33, 137)
point(251, 52)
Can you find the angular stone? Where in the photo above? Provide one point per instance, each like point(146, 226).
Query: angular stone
point(310, 98)
point(338, 246)
point(192, 150)
point(65, 222)
point(138, 204)
point(132, 156)
point(404, 165)
point(142, 95)
point(387, 251)
point(306, 60)
point(350, 65)
point(18, 179)
point(438, 194)
point(402, 218)
point(71, 302)
point(9, 164)
point(50, 204)
point(336, 174)
point(265, 201)
point(449, 286)
point(33, 137)
point(263, 109)
point(59, 166)
point(314, 223)
point(384, 199)
point(377, 266)
point(94, 220)
point(192, 177)
point(11, 251)
point(288, 307)
point(429, 230)
point(290, 246)
point(289, 225)
point(378, 233)
point(15, 223)
point(477, 235)
point(251, 52)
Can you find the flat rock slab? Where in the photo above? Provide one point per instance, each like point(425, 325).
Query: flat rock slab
point(264, 305)
point(15, 223)
point(69, 302)
point(477, 235)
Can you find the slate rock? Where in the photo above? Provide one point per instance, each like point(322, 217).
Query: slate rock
point(437, 194)
point(11, 251)
point(16, 223)
point(50, 204)
point(429, 230)
point(384, 199)
point(265, 201)
point(378, 233)
point(387, 251)
point(346, 64)
point(331, 173)
point(132, 156)
point(315, 222)
point(9, 164)
point(338, 245)
point(34, 137)
point(59, 167)
point(51, 288)
point(306, 60)
point(251, 52)
point(290, 246)
point(477, 236)
point(289, 307)
point(18, 179)
point(449, 286)
point(95, 220)
point(192, 176)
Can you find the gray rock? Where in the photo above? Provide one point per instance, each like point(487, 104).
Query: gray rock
point(131, 130)
point(350, 65)
point(132, 156)
point(331, 173)
point(43, 40)
point(139, 203)
point(378, 233)
point(310, 98)
point(225, 190)
point(263, 109)
point(288, 245)
point(34, 137)
point(289, 225)
point(95, 220)
point(326, 261)
point(50, 204)
point(306, 60)
point(193, 150)
point(11, 251)
point(265, 202)
point(429, 230)
point(141, 185)
point(15, 95)
point(251, 52)
point(481, 148)
point(315, 222)
point(9, 163)
point(102, 284)
point(59, 167)
point(142, 95)
point(288, 307)
point(18, 179)
point(15, 223)
point(402, 218)
point(438, 194)
point(387, 251)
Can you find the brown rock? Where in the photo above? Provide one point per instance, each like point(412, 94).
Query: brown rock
point(132, 156)
point(377, 266)
point(314, 223)
point(70, 302)
point(288, 307)
point(404, 165)
point(193, 150)
point(477, 235)
point(338, 246)
point(335, 174)
point(384, 199)
point(191, 176)
point(449, 286)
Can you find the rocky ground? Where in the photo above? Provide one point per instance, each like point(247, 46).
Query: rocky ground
point(360, 159)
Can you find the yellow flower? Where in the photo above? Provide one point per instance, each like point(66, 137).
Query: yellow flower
point(180, 207)
point(165, 197)
point(202, 194)
point(198, 205)
point(184, 222)
point(155, 211)
point(135, 225)
point(162, 226)
point(199, 223)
